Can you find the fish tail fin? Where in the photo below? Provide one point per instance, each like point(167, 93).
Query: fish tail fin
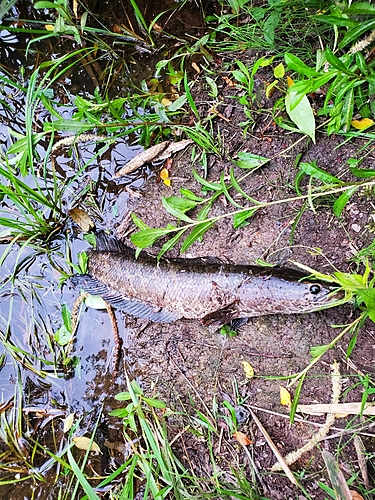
point(108, 243)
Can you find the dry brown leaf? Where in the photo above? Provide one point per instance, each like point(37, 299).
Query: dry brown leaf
point(81, 218)
point(83, 443)
point(355, 495)
point(75, 7)
point(196, 67)
point(242, 438)
point(228, 81)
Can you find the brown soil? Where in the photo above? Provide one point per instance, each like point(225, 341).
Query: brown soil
point(189, 366)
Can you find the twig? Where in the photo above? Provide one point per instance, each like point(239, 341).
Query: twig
point(271, 444)
point(116, 338)
point(323, 431)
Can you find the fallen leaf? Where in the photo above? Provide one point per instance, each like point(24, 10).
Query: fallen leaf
point(228, 81)
point(196, 67)
point(68, 422)
point(285, 398)
point(242, 438)
point(289, 81)
point(363, 123)
point(164, 176)
point(166, 102)
point(49, 27)
point(355, 495)
point(81, 218)
point(83, 443)
point(95, 302)
point(157, 27)
point(75, 7)
point(248, 369)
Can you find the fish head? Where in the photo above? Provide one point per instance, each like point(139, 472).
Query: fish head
point(309, 296)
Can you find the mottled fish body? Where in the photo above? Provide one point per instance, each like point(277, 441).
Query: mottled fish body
point(207, 289)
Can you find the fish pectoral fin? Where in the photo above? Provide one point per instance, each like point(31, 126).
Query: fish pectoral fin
point(131, 306)
point(221, 316)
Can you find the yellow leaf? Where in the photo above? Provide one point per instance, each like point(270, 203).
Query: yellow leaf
point(83, 443)
point(242, 438)
point(363, 123)
point(68, 422)
point(285, 398)
point(289, 81)
point(166, 102)
point(248, 369)
point(49, 27)
point(81, 218)
point(164, 175)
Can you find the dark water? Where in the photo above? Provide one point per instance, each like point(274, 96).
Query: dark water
point(31, 303)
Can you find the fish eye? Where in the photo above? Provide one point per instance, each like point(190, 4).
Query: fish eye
point(315, 289)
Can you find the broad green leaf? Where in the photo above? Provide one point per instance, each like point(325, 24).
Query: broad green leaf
point(171, 243)
point(138, 222)
point(336, 62)
point(147, 237)
point(95, 302)
point(241, 218)
point(302, 115)
point(318, 350)
point(67, 317)
point(196, 233)
point(190, 195)
point(362, 173)
point(68, 126)
point(362, 8)
point(213, 186)
point(347, 110)
point(269, 26)
point(240, 77)
point(296, 64)
point(368, 297)
point(354, 33)
point(177, 207)
point(178, 103)
point(155, 403)
point(279, 71)
point(351, 282)
point(250, 160)
point(63, 336)
point(313, 170)
point(342, 200)
point(336, 21)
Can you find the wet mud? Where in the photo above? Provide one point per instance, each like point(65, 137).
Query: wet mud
point(185, 364)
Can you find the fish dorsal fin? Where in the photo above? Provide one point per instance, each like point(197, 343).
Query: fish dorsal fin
point(202, 261)
point(131, 306)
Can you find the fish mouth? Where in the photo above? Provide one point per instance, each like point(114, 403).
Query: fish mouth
point(336, 294)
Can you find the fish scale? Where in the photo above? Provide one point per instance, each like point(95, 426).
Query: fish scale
point(207, 289)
